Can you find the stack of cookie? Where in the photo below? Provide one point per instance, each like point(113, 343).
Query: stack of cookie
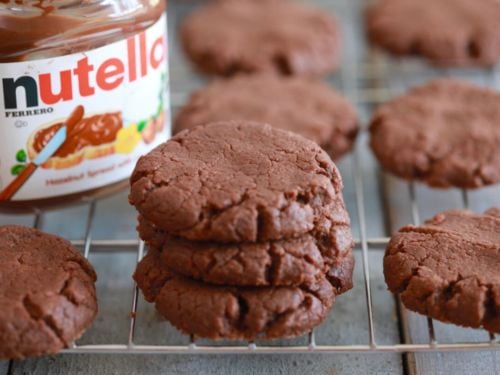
point(247, 231)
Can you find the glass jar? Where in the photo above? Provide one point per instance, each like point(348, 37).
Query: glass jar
point(83, 94)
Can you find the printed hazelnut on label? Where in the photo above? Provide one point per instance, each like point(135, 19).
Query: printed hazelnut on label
point(149, 132)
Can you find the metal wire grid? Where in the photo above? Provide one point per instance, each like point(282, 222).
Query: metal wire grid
point(363, 244)
point(361, 95)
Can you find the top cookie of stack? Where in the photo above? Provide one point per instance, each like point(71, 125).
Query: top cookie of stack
point(228, 183)
point(248, 210)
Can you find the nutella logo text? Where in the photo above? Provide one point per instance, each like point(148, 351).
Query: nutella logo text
point(85, 78)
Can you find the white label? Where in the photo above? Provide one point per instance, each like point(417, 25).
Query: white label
point(123, 88)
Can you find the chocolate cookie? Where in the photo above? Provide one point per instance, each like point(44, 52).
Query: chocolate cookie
point(47, 293)
point(459, 32)
point(302, 260)
point(303, 106)
point(448, 268)
point(445, 133)
point(218, 312)
point(232, 36)
point(237, 182)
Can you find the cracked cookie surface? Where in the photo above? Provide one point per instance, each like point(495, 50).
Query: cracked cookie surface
point(297, 261)
point(445, 133)
point(218, 312)
point(448, 268)
point(303, 106)
point(234, 36)
point(458, 32)
point(47, 293)
point(236, 182)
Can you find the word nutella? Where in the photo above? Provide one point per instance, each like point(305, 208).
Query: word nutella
point(108, 76)
point(79, 106)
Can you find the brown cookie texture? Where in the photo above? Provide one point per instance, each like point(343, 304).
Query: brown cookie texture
point(303, 106)
point(297, 261)
point(284, 37)
point(449, 33)
point(445, 133)
point(237, 182)
point(218, 312)
point(448, 268)
point(341, 272)
point(47, 293)
point(494, 211)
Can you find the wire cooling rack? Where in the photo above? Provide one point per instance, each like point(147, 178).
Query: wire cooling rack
point(372, 81)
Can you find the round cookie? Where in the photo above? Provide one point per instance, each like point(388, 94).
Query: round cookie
point(298, 261)
point(237, 182)
point(303, 106)
point(219, 312)
point(448, 268)
point(233, 36)
point(47, 293)
point(458, 32)
point(445, 133)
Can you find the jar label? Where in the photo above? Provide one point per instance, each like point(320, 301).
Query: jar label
point(79, 122)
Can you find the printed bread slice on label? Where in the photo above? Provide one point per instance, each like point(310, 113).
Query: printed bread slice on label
point(92, 137)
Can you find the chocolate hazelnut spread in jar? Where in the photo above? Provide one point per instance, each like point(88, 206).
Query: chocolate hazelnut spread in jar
point(83, 94)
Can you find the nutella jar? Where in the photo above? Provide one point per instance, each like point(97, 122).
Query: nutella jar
point(83, 94)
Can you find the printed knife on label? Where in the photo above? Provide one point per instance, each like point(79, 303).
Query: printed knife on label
point(50, 149)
